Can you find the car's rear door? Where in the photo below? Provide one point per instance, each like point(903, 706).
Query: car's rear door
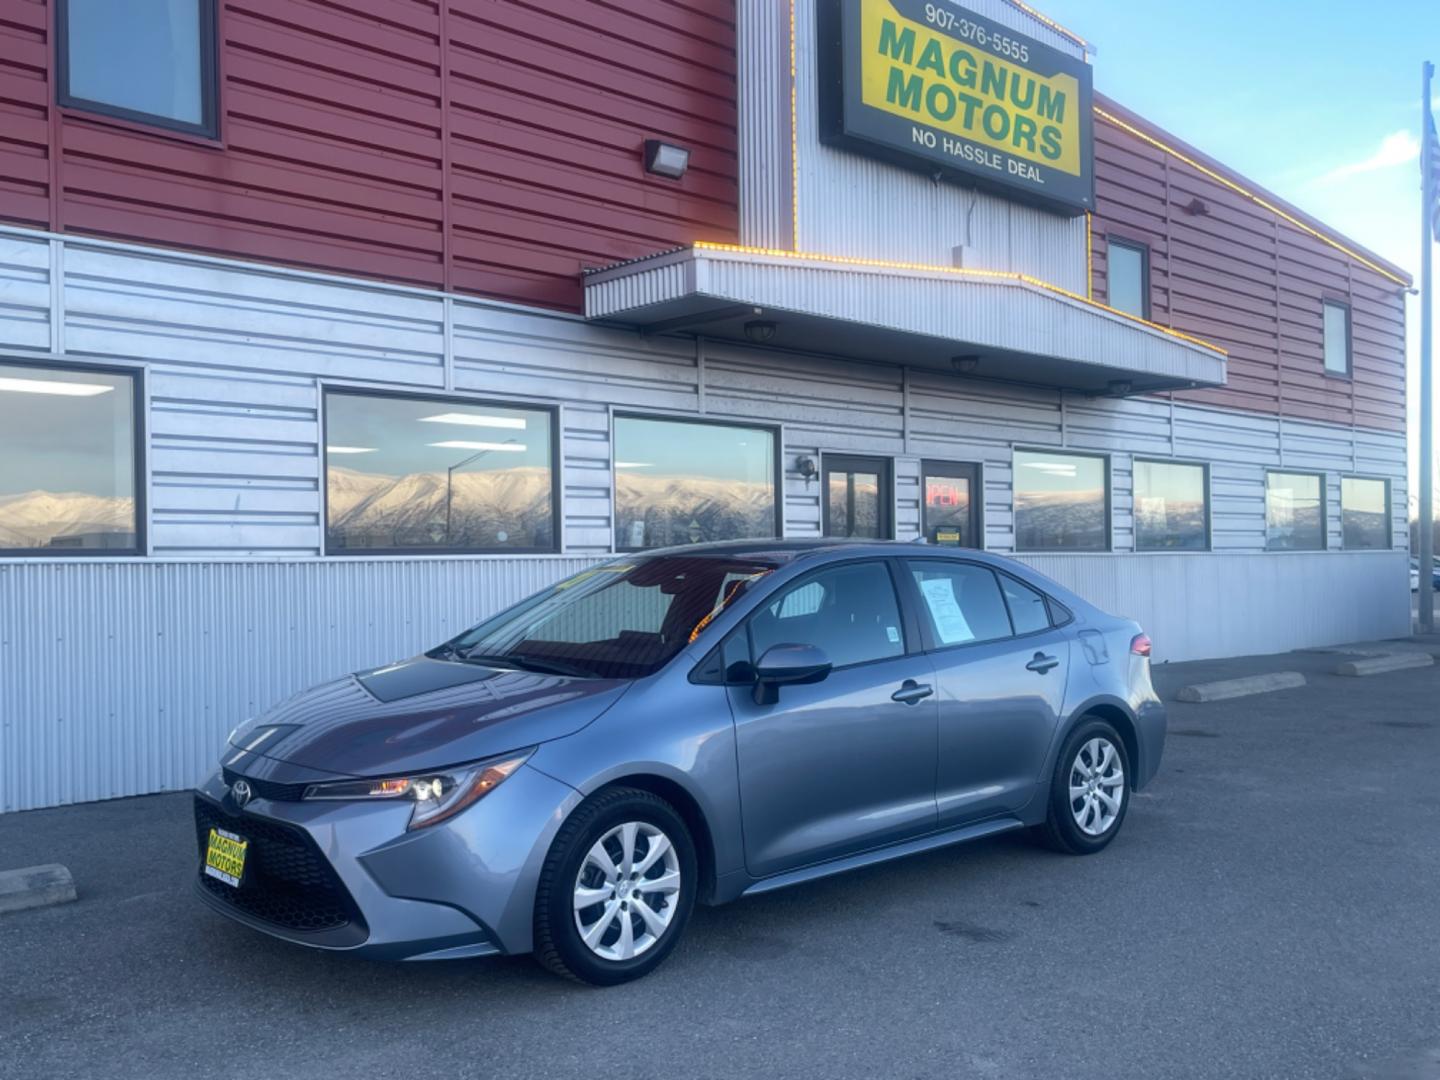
point(848, 763)
point(1000, 668)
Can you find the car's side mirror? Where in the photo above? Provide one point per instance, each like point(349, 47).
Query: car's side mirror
point(788, 665)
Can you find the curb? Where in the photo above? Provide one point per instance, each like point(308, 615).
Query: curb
point(35, 886)
point(1233, 688)
point(1379, 665)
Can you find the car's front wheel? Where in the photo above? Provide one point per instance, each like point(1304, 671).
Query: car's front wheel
point(1090, 790)
point(616, 890)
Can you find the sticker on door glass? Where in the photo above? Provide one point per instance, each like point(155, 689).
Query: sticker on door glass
point(893, 633)
point(950, 621)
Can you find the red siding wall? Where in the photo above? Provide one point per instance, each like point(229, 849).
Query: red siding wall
point(501, 163)
point(1241, 276)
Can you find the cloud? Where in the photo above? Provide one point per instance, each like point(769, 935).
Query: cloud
point(1397, 148)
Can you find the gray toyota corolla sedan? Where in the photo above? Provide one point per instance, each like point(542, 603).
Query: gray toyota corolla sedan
point(571, 776)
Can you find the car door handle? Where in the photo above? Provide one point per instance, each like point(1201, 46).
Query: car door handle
point(911, 692)
point(1042, 663)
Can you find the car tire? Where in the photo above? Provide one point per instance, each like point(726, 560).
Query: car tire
point(645, 923)
point(1092, 773)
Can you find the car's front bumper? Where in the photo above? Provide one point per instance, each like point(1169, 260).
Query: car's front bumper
point(348, 876)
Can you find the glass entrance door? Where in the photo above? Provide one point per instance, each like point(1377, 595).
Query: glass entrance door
point(950, 515)
point(857, 497)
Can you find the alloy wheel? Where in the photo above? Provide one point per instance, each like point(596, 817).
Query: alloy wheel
point(1097, 786)
point(627, 891)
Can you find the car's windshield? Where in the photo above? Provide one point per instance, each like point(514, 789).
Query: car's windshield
point(620, 620)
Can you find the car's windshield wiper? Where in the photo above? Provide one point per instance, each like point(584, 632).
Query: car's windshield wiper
point(527, 662)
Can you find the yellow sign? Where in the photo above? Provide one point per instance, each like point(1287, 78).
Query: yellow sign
point(225, 856)
point(968, 80)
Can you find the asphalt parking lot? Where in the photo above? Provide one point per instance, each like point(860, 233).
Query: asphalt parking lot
point(1272, 909)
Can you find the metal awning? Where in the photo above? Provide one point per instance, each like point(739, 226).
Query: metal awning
point(1013, 326)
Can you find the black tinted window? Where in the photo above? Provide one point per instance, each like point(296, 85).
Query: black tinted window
point(411, 473)
point(145, 60)
point(1027, 607)
point(962, 601)
point(67, 460)
point(848, 611)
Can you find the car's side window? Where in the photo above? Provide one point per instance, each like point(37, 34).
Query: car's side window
point(849, 611)
point(1027, 607)
point(962, 602)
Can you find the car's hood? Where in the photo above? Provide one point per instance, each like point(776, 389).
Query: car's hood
point(422, 714)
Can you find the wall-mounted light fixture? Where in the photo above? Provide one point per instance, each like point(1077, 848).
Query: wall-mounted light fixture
point(965, 365)
point(1119, 388)
point(760, 330)
point(666, 159)
point(806, 467)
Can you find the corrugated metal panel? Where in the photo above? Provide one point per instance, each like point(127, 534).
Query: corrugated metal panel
point(1200, 606)
point(491, 147)
point(763, 89)
point(124, 678)
point(550, 106)
point(857, 207)
point(1232, 272)
point(25, 99)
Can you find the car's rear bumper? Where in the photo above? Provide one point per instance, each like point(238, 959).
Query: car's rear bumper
point(348, 876)
point(1150, 727)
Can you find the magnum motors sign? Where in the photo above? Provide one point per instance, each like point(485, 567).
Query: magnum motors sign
point(933, 85)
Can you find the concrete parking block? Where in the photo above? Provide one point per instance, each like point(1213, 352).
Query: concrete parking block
point(1379, 665)
point(1244, 687)
point(35, 886)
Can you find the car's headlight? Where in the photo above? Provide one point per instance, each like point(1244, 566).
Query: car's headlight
point(437, 795)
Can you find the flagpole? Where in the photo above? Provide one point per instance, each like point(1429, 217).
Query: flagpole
point(1427, 388)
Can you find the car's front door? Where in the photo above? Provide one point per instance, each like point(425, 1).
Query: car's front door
point(1001, 669)
point(847, 763)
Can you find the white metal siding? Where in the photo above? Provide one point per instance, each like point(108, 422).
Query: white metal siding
point(24, 292)
point(124, 678)
point(855, 206)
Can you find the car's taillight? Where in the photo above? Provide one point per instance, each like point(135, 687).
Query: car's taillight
point(1140, 645)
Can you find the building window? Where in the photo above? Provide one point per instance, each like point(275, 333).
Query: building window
point(1337, 338)
point(1172, 506)
point(1128, 277)
point(1365, 512)
point(69, 479)
point(151, 61)
point(691, 482)
point(432, 474)
point(1294, 512)
point(1062, 502)
point(950, 514)
point(857, 497)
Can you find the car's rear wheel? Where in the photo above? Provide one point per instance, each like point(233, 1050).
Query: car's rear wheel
point(1090, 790)
point(616, 890)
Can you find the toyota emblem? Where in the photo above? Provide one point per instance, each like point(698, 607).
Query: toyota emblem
point(241, 792)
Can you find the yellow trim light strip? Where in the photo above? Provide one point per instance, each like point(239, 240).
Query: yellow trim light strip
point(1051, 23)
point(1256, 199)
point(1089, 255)
point(955, 271)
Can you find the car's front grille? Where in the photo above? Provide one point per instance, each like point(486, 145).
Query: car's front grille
point(266, 789)
point(287, 882)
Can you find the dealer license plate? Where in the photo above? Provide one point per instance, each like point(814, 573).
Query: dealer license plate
point(225, 856)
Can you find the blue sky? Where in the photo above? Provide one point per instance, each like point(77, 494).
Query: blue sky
point(1317, 101)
